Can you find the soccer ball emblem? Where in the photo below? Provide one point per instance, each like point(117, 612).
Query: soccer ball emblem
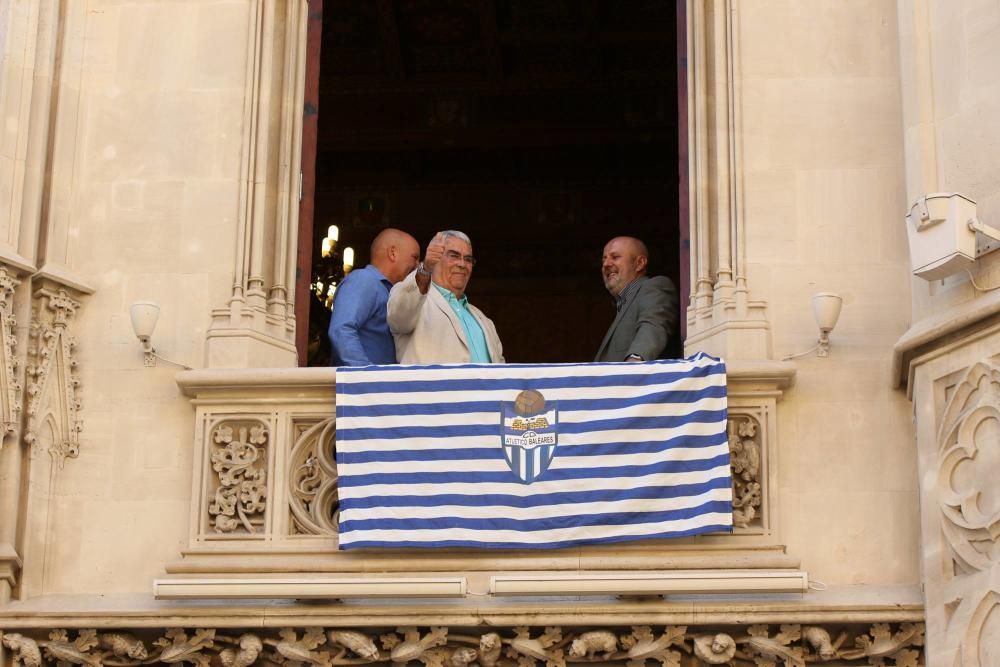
point(529, 402)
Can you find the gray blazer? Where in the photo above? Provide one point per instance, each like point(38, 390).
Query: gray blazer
point(645, 324)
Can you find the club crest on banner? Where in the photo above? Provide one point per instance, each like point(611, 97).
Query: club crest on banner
point(529, 434)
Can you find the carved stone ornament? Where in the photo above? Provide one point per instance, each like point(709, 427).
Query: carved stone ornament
point(53, 385)
point(981, 644)
point(968, 469)
point(968, 465)
point(239, 459)
point(745, 461)
point(312, 483)
point(882, 644)
point(10, 384)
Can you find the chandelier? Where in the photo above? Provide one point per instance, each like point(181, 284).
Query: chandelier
point(331, 267)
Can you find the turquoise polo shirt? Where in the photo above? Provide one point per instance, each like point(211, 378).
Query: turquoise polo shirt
point(478, 351)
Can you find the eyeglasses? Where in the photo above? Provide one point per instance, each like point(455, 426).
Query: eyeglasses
point(456, 256)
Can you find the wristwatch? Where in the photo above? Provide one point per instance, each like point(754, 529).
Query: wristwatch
point(422, 270)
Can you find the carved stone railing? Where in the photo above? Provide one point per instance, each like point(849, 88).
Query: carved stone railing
point(265, 483)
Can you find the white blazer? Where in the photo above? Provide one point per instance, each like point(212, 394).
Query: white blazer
point(427, 330)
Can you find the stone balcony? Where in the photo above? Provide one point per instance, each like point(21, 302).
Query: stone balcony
point(262, 571)
point(264, 491)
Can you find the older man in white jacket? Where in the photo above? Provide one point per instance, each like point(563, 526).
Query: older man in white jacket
point(429, 315)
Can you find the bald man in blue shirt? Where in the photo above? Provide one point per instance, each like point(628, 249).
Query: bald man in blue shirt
point(358, 331)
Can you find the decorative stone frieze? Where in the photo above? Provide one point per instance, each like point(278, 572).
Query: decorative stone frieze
point(239, 459)
point(312, 480)
point(788, 645)
point(753, 448)
point(746, 461)
point(10, 383)
point(53, 384)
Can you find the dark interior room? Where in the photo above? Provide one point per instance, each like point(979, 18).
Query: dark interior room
point(541, 128)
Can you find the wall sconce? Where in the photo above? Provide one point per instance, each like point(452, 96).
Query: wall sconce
point(144, 316)
point(348, 259)
point(826, 311)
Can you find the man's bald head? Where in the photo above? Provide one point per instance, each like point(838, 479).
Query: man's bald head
point(625, 259)
point(395, 253)
point(636, 246)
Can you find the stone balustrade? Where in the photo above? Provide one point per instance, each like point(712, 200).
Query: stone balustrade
point(264, 484)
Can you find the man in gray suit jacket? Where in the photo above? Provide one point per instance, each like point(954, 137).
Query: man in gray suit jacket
point(647, 307)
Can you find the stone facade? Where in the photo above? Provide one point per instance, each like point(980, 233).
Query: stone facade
point(147, 152)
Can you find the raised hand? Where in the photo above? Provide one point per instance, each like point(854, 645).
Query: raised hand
point(435, 251)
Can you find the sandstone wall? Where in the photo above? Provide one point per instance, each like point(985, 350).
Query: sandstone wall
point(146, 149)
point(824, 199)
point(150, 139)
point(951, 101)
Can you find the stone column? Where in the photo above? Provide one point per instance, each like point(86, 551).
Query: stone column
point(722, 318)
point(257, 326)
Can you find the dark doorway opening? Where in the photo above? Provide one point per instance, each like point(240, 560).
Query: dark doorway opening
point(541, 128)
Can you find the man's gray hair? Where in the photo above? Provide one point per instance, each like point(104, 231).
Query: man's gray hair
point(461, 236)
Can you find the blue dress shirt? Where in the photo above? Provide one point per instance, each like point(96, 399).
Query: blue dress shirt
point(479, 352)
point(358, 331)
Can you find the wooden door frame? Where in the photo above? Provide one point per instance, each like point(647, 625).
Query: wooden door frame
point(683, 184)
point(310, 118)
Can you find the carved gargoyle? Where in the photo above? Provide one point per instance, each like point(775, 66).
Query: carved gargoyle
point(717, 649)
point(24, 650)
point(355, 642)
point(250, 647)
point(490, 648)
point(819, 640)
point(461, 657)
point(589, 644)
point(123, 645)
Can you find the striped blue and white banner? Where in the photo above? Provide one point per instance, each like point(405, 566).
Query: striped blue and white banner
point(635, 451)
